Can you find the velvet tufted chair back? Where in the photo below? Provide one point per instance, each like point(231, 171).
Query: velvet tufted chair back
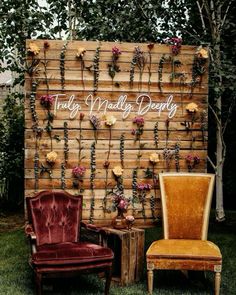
point(55, 217)
point(186, 200)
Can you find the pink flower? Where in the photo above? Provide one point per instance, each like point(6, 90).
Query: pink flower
point(189, 158)
point(116, 51)
point(46, 100)
point(123, 204)
point(139, 121)
point(144, 186)
point(196, 159)
point(78, 171)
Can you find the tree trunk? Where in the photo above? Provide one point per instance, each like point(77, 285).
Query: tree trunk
point(220, 215)
point(220, 145)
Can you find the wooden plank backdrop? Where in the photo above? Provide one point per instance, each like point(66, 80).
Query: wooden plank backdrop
point(154, 85)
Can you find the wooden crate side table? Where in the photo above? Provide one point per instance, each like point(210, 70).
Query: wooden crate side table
point(128, 247)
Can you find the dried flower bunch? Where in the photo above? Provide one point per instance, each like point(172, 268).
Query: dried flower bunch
point(96, 123)
point(138, 60)
point(139, 121)
point(150, 46)
point(113, 68)
point(198, 68)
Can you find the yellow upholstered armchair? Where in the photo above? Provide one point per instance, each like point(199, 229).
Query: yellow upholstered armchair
point(186, 201)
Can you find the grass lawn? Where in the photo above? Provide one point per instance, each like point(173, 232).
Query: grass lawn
point(16, 277)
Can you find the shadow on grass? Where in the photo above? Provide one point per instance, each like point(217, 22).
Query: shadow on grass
point(16, 277)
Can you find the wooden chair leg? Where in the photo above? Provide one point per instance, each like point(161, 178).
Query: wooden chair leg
point(150, 281)
point(108, 274)
point(38, 280)
point(217, 283)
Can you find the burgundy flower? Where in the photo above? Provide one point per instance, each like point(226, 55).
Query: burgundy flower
point(150, 46)
point(46, 45)
point(46, 100)
point(106, 164)
point(116, 51)
point(81, 116)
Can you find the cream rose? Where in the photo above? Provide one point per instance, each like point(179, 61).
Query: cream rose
point(117, 170)
point(192, 107)
point(80, 52)
point(110, 120)
point(202, 52)
point(154, 158)
point(33, 49)
point(51, 157)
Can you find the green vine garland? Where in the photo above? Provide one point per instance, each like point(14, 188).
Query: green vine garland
point(36, 169)
point(156, 135)
point(134, 188)
point(62, 64)
point(63, 173)
point(122, 149)
point(92, 177)
point(66, 146)
point(177, 150)
point(96, 69)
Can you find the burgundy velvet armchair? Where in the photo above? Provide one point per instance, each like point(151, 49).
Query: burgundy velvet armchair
point(54, 233)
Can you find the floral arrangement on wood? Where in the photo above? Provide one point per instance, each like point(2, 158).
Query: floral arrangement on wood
point(96, 123)
point(192, 160)
point(32, 68)
point(154, 160)
point(62, 64)
point(113, 67)
point(79, 170)
point(80, 56)
point(175, 44)
point(199, 67)
point(143, 188)
point(192, 109)
point(51, 158)
point(47, 101)
point(138, 60)
point(150, 46)
point(92, 178)
point(120, 203)
point(110, 120)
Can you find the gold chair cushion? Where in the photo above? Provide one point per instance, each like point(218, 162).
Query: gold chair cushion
point(184, 249)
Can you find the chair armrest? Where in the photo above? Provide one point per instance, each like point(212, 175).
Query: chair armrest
point(32, 237)
point(93, 228)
